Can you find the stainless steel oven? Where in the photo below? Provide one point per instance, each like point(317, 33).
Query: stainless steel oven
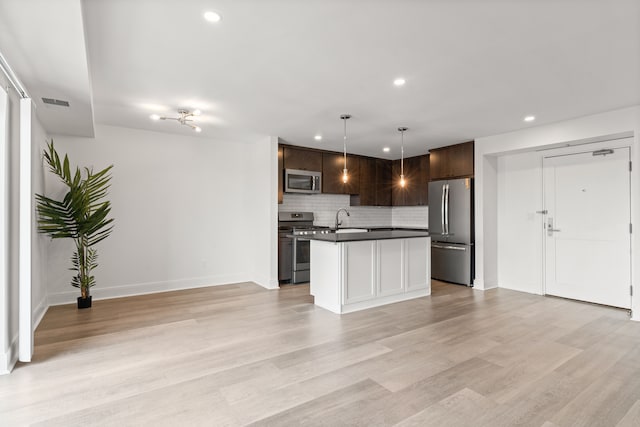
point(294, 248)
point(299, 181)
point(301, 260)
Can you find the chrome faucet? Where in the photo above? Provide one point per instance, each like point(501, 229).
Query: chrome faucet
point(338, 214)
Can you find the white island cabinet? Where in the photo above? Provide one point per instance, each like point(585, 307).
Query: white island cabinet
point(350, 274)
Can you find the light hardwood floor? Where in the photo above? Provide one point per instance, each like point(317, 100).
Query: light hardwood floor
point(239, 354)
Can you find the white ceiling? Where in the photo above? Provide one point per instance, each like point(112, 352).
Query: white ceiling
point(49, 56)
point(289, 68)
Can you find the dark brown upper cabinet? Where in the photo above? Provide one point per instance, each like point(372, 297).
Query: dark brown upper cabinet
point(375, 182)
point(368, 181)
point(332, 168)
point(416, 175)
point(454, 161)
point(383, 182)
point(302, 159)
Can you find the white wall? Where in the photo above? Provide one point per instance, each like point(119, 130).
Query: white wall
point(185, 212)
point(488, 149)
point(519, 237)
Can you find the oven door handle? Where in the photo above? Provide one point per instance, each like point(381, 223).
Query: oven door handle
point(294, 253)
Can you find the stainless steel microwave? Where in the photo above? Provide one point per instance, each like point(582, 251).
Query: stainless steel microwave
point(299, 181)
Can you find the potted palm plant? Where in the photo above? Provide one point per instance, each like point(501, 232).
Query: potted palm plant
point(81, 215)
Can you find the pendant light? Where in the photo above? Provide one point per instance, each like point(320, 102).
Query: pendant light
point(402, 130)
point(345, 176)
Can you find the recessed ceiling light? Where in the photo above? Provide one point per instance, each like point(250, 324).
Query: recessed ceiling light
point(529, 118)
point(318, 137)
point(212, 16)
point(154, 117)
point(386, 149)
point(399, 81)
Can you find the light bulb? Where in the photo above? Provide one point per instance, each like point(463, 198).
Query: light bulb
point(529, 118)
point(402, 181)
point(345, 177)
point(197, 129)
point(212, 16)
point(196, 112)
point(399, 81)
point(154, 117)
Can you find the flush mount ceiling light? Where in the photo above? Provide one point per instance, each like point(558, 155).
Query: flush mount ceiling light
point(212, 16)
point(345, 176)
point(318, 137)
point(402, 131)
point(399, 81)
point(185, 118)
point(529, 118)
point(386, 149)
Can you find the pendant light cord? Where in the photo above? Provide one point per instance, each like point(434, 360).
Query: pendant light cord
point(402, 153)
point(344, 141)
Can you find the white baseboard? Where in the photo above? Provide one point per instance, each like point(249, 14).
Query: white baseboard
point(268, 284)
point(9, 358)
point(39, 312)
point(520, 289)
point(99, 293)
point(480, 285)
point(350, 308)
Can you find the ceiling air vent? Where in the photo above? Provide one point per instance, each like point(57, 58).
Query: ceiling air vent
point(58, 102)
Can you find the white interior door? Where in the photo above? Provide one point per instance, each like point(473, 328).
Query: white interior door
point(587, 231)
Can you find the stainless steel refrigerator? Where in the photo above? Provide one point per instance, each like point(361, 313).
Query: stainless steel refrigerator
point(451, 230)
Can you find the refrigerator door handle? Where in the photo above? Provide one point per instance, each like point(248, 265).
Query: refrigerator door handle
point(444, 231)
point(455, 248)
point(446, 209)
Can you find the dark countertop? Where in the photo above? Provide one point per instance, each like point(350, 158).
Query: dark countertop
point(371, 235)
point(392, 228)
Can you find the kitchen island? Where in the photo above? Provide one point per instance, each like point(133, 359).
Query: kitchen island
point(354, 271)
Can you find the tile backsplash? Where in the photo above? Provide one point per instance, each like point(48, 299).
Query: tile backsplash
point(325, 206)
point(410, 216)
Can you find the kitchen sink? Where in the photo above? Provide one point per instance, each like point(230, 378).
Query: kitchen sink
point(351, 230)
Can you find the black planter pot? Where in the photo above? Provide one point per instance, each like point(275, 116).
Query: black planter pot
point(84, 302)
